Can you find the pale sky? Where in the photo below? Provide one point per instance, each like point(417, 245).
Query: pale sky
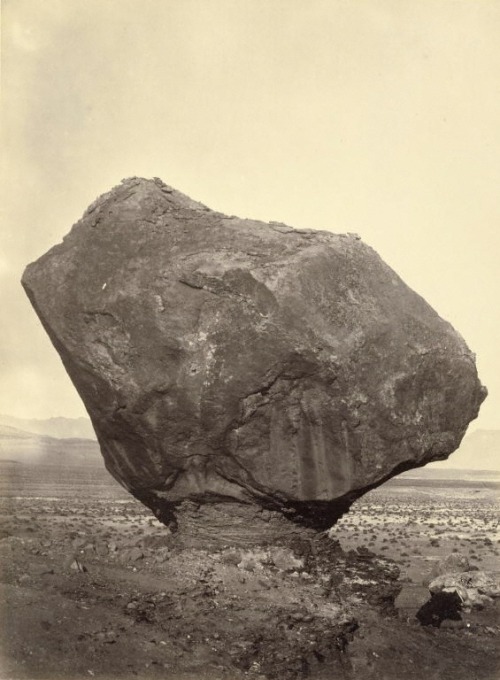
point(380, 117)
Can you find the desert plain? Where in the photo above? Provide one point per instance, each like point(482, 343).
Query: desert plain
point(94, 586)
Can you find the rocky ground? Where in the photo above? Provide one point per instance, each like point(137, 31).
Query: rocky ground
point(93, 586)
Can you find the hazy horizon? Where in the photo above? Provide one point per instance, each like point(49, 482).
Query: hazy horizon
point(378, 117)
point(480, 456)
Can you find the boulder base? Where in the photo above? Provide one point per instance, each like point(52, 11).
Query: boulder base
point(232, 361)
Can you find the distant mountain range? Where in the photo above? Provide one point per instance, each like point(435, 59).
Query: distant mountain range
point(480, 450)
point(60, 428)
point(53, 439)
point(29, 448)
point(432, 473)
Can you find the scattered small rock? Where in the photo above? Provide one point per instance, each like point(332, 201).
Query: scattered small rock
point(135, 554)
point(77, 566)
point(454, 563)
point(475, 588)
point(441, 606)
point(285, 560)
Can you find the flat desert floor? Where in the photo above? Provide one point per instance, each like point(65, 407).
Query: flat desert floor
point(92, 586)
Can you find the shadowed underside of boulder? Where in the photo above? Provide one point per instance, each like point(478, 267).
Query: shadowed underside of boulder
point(231, 361)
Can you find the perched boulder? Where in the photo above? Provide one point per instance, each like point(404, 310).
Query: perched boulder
point(230, 360)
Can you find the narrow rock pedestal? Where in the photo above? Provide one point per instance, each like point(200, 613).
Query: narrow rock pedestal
point(220, 525)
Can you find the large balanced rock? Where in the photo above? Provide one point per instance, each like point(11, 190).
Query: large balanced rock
point(229, 360)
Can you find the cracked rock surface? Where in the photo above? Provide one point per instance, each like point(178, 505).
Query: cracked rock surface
point(230, 363)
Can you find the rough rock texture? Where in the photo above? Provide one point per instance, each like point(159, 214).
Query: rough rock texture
point(475, 588)
point(223, 359)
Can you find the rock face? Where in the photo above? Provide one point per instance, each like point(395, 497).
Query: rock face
point(475, 588)
point(229, 360)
